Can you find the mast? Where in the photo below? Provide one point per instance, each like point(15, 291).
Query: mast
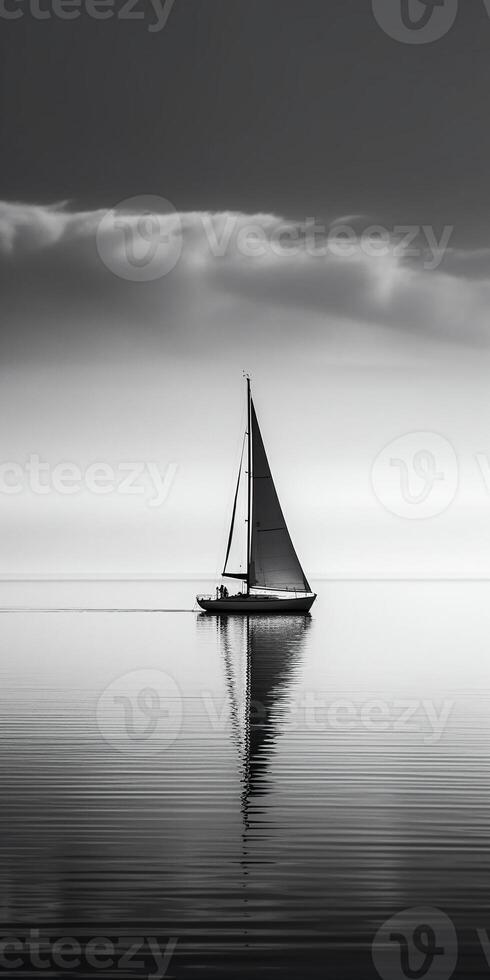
point(249, 501)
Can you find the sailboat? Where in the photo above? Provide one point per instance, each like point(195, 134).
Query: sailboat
point(274, 581)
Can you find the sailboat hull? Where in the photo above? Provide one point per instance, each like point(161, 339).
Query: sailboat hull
point(244, 605)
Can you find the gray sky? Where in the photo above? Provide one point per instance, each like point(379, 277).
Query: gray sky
point(288, 107)
point(249, 119)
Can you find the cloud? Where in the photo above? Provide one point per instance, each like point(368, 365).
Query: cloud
point(69, 289)
point(27, 227)
point(474, 264)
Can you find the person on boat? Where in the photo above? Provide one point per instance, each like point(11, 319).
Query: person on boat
point(225, 592)
point(217, 591)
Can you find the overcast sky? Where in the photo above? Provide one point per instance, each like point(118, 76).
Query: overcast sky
point(289, 107)
point(249, 119)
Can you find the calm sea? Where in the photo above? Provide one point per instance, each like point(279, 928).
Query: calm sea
point(206, 797)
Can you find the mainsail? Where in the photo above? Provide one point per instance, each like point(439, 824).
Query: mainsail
point(271, 562)
point(274, 563)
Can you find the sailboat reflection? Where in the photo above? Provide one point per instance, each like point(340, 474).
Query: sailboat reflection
point(261, 657)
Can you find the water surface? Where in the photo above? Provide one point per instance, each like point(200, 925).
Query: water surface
point(264, 792)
